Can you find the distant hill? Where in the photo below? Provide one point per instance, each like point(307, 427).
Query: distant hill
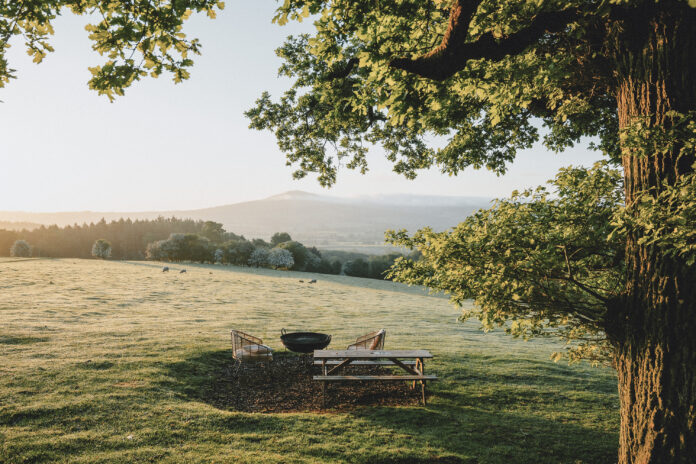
point(13, 225)
point(321, 220)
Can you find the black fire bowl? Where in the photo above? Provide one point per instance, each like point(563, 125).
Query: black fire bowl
point(304, 342)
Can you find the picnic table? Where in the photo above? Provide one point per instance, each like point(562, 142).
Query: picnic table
point(411, 361)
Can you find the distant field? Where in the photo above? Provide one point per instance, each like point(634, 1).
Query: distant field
point(111, 362)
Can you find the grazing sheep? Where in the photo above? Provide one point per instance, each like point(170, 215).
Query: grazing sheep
point(313, 281)
point(165, 269)
point(182, 271)
point(301, 280)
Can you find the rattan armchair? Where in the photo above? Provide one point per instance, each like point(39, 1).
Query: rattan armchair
point(371, 341)
point(246, 347)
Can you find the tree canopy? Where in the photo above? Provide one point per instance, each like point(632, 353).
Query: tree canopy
point(490, 78)
point(546, 259)
point(485, 76)
point(501, 70)
point(137, 38)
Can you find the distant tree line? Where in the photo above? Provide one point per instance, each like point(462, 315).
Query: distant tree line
point(178, 240)
point(128, 238)
point(214, 245)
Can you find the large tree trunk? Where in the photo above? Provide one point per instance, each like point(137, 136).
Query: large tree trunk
point(653, 326)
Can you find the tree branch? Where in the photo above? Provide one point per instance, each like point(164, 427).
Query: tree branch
point(342, 71)
point(454, 52)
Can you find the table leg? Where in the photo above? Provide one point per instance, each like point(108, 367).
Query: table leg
point(343, 363)
point(422, 372)
point(419, 369)
point(323, 384)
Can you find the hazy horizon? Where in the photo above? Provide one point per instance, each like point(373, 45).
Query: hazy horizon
point(384, 197)
point(166, 147)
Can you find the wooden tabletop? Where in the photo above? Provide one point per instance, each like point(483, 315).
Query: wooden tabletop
point(371, 354)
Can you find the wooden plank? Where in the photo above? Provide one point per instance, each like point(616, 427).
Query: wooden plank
point(331, 378)
point(345, 362)
point(371, 354)
point(333, 362)
point(408, 369)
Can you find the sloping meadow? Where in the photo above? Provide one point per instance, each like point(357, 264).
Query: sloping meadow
point(107, 361)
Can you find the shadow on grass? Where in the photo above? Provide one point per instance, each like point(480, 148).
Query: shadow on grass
point(515, 411)
point(283, 385)
point(483, 435)
point(489, 370)
point(20, 340)
point(201, 377)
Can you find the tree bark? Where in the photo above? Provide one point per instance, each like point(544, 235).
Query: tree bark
point(653, 324)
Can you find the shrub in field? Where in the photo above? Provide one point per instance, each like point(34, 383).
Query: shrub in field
point(260, 243)
point(380, 265)
point(321, 265)
point(300, 254)
point(155, 252)
point(336, 267)
point(312, 261)
point(279, 258)
point(238, 252)
point(259, 257)
point(20, 248)
point(280, 237)
point(213, 231)
point(182, 247)
point(357, 268)
point(101, 249)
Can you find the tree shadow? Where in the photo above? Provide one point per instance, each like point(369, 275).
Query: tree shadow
point(284, 384)
point(21, 339)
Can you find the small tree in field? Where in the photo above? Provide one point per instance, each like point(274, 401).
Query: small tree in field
point(280, 237)
point(259, 257)
point(154, 251)
point(299, 254)
point(260, 243)
point(20, 248)
point(279, 258)
point(101, 249)
point(357, 268)
point(238, 252)
point(219, 255)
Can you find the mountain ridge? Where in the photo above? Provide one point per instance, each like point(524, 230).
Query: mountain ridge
point(312, 218)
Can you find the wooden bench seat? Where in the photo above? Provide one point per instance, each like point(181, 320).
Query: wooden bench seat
point(373, 377)
point(333, 362)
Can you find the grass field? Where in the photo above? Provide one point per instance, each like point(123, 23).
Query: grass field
point(114, 361)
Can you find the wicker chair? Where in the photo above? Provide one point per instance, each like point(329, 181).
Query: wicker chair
point(371, 341)
point(246, 347)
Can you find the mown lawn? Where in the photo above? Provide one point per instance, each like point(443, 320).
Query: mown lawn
point(115, 362)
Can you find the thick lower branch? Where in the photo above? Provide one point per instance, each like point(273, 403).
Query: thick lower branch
point(454, 52)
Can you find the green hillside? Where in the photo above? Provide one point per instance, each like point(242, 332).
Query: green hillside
point(110, 362)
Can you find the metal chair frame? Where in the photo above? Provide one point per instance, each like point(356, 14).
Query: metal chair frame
point(372, 341)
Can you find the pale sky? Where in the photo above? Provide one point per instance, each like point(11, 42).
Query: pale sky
point(185, 146)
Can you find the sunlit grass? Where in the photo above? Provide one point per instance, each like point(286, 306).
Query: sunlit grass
point(106, 361)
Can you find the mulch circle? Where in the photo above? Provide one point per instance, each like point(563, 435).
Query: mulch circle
point(285, 384)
